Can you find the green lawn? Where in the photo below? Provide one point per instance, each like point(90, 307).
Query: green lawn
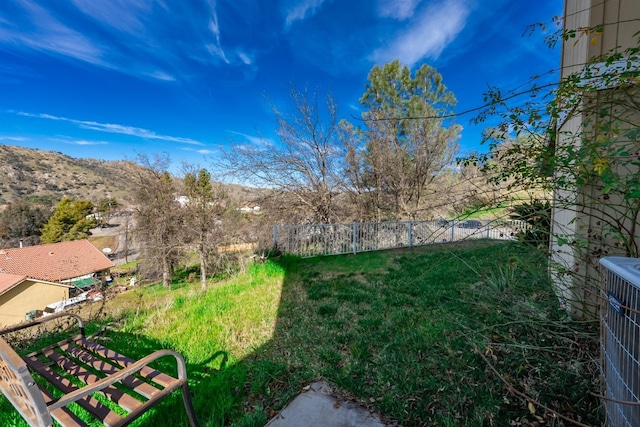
point(499, 212)
point(399, 331)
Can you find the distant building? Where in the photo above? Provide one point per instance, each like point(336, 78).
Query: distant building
point(56, 262)
point(250, 208)
point(33, 277)
point(182, 200)
point(21, 297)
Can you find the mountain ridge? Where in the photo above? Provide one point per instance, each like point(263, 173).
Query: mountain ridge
point(47, 176)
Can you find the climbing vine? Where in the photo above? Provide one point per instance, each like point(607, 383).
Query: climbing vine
point(578, 142)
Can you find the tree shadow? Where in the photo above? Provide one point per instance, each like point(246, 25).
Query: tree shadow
point(206, 379)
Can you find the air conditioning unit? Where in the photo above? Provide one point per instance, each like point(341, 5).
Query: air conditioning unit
point(620, 339)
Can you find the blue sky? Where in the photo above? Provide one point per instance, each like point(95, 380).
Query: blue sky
point(112, 78)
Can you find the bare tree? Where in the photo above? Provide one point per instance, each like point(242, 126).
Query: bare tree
point(21, 221)
point(159, 217)
point(304, 165)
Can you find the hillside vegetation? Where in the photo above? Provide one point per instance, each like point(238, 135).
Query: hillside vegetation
point(46, 176)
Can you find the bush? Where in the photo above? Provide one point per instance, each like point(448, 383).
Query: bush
point(538, 215)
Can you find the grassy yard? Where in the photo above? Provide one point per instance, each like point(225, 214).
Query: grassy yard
point(438, 335)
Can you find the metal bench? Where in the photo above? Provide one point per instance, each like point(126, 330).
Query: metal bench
point(80, 370)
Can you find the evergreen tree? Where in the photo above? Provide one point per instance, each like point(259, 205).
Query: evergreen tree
point(205, 210)
point(406, 141)
point(71, 220)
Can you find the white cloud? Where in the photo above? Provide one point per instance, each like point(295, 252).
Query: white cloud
point(302, 10)
point(428, 35)
point(203, 151)
point(13, 138)
point(255, 140)
point(153, 40)
point(161, 75)
point(214, 27)
point(115, 128)
point(85, 142)
point(246, 59)
point(123, 15)
point(216, 50)
point(49, 35)
point(398, 9)
point(70, 140)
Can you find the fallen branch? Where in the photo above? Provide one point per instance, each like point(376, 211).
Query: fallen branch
point(511, 389)
point(620, 402)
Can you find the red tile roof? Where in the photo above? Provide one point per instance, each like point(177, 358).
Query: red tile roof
point(54, 262)
point(8, 281)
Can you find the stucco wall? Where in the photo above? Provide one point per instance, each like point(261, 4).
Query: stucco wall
point(16, 302)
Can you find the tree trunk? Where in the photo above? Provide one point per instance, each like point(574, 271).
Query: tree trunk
point(166, 273)
point(203, 269)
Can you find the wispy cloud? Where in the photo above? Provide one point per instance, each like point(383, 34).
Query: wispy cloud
point(214, 27)
point(203, 151)
point(43, 32)
point(122, 15)
point(398, 9)
point(13, 138)
point(154, 40)
point(217, 51)
point(72, 141)
point(254, 140)
point(114, 128)
point(85, 142)
point(245, 58)
point(428, 35)
point(301, 10)
point(161, 75)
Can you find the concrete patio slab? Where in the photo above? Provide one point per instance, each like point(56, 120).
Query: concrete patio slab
point(317, 406)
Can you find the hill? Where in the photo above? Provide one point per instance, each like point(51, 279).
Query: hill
point(47, 176)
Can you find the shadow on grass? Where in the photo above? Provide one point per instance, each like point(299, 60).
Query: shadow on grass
point(393, 330)
point(398, 331)
point(206, 383)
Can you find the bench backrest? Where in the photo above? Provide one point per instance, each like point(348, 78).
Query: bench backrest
point(17, 384)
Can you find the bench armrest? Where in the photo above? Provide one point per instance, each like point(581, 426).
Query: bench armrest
point(45, 319)
point(120, 375)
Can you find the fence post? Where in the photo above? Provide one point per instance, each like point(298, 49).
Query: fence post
point(453, 229)
point(355, 238)
point(488, 228)
point(410, 233)
point(275, 236)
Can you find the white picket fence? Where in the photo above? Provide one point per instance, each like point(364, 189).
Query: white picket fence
point(332, 239)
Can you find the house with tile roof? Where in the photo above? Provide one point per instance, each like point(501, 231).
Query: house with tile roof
point(20, 296)
point(56, 262)
point(33, 277)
